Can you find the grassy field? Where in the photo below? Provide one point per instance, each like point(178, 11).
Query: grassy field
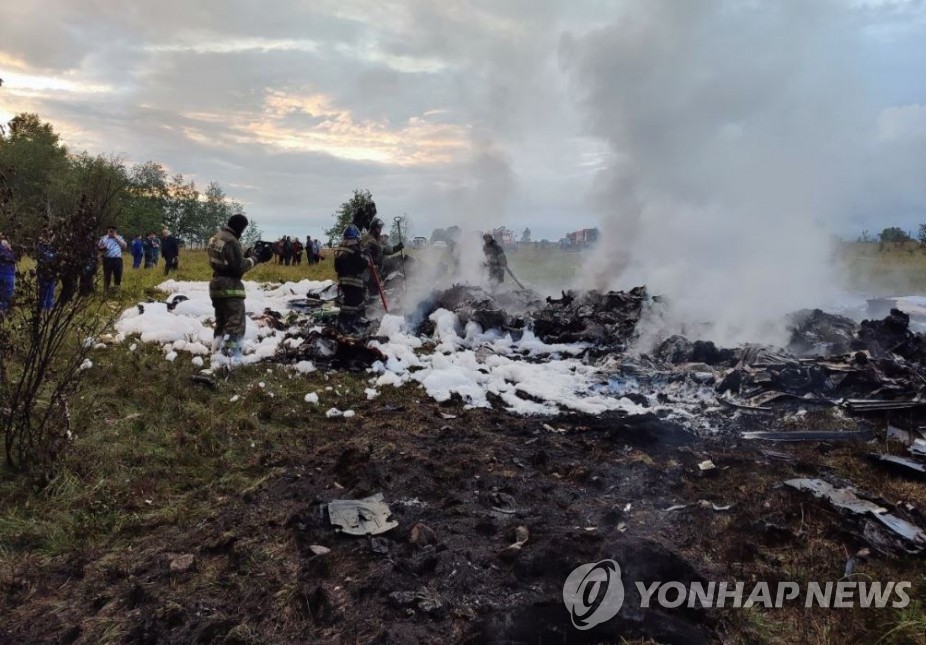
point(156, 460)
point(889, 269)
point(137, 284)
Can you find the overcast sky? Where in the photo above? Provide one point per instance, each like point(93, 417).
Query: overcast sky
point(466, 112)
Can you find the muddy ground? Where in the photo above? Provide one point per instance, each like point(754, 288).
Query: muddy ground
point(459, 488)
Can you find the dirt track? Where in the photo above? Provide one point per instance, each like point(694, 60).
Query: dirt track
point(598, 490)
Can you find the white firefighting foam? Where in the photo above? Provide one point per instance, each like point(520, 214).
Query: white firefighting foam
point(529, 376)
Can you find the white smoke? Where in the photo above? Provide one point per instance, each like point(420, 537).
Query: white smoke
point(738, 136)
point(477, 202)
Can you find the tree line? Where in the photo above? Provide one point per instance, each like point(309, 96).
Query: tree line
point(46, 179)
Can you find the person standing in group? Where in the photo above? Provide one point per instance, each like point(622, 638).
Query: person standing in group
point(7, 274)
point(287, 250)
point(152, 250)
point(138, 252)
point(297, 251)
point(45, 269)
point(316, 250)
point(170, 249)
point(112, 246)
point(229, 264)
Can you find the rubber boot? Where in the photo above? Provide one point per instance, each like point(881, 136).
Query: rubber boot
point(232, 349)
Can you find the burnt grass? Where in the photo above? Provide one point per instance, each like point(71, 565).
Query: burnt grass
point(594, 488)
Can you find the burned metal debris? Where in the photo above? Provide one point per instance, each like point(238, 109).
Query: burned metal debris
point(879, 369)
point(608, 320)
point(888, 533)
point(330, 348)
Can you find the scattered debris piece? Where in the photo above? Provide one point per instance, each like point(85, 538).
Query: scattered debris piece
point(715, 507)
point(902, 465)
point(182, 563)
point(368, 516)
point(811, 435)
point(706, 465)
point(318, 549)
point(202, 379)
point(838, 497)
point(521, 536)
point(330, 348)
point(913, 538)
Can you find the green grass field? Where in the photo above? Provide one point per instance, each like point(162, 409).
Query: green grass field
point(152, 450)
point(887, 270)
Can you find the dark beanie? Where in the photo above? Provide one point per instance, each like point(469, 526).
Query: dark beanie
point(238, 223)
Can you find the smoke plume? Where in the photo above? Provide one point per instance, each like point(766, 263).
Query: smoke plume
point(734, 128)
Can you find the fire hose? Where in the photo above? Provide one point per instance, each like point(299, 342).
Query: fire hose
point(518, 282)
point(398, 224)
point(379, 286)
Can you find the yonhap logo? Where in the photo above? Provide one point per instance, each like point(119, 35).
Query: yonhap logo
point(593, 593)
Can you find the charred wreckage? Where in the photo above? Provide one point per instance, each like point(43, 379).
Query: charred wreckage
point(870, 377)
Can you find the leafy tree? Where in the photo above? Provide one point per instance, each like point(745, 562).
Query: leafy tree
point(103, 183)
point(357, 209)
point(46, 183)
point(252, 233)
point(894, 234)
point(922, 235)
point(183, 209)
point(214, 212)
point(146, 208)
point(36, 164)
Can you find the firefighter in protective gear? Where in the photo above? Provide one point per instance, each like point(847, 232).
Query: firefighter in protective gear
point(226, 289)
point(378, 251)
point(495, 261)
point(372, 247)
point(352, 266)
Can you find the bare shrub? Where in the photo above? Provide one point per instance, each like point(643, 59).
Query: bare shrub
point(45, 342)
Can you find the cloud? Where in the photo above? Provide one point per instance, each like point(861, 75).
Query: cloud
point(441, 109)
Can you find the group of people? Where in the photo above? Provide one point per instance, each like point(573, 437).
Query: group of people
point(288, 250)
point(149, 248)
point(55, 266)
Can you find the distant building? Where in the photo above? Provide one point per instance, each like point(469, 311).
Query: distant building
point(504, 236)
point(582, 238)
